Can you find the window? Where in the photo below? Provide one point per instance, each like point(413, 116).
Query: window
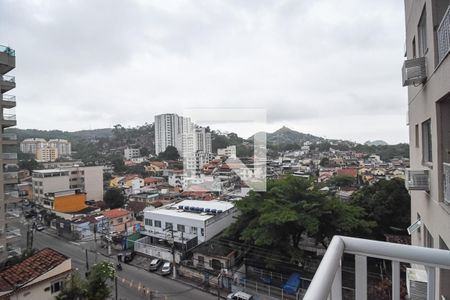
point(180, 228)
point(416, 133)
point(169, 225)
point(202, 231)
point(120, 220)
point(422, 33)
point(414, 47)
point(428, 238)
point(427, 155)
point(56, 286)
point(201, 260)
point(157, 223)
point(193, 230)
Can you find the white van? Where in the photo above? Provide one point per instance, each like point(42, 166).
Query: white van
point(239, 296)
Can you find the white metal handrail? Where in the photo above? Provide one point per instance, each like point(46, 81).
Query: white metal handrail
point(327, 282)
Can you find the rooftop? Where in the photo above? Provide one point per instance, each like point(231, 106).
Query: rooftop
point(115, 213)
point(31, 268)
point(173, 209)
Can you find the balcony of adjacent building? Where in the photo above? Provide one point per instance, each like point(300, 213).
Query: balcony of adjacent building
point(8, 101)
point(12, 212)
point(10, 177)
point(9, 157)
point(12, 196)
point(9, 138)
point(8, 120)
point(419, 268)
point(12, 234)
point(7, 83)
point(7, 59)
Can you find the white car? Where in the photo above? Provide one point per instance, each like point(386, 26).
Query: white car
point(239, 296)
point(167, 268)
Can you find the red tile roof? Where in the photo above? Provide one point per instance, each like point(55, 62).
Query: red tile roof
point(31, 268)
point(115, 213)
point(151, 180)
point(348, 172)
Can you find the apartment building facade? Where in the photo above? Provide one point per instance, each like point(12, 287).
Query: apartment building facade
point(10, 235)
point(426, 72)
point(130, 153)
point(87, 179)
point(46, 151)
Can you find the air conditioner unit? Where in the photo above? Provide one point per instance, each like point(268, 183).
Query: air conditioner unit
point(447, 183)
point(416, 284)
point(417, 180)
point(414, 71)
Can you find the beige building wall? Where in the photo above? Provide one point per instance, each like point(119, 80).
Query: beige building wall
point(430, 101)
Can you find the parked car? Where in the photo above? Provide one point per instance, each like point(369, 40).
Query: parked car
point(240, 296)
point(166, 269)
point(128, 256)
point(40, 227)
point(155, 264)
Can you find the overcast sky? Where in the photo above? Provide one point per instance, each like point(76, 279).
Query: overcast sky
point(325, 67)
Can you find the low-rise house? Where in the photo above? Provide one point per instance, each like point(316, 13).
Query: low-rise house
point(40, 276)
point(214, 257)
point(69, 202)
point(119, 219)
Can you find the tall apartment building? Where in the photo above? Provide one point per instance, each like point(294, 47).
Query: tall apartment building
point(130, 153)
point(10, 235)
point(87, 179)
point(47, 154)
point(426, 72)
point(64, 147)
point(168, 132)
point(32, 145)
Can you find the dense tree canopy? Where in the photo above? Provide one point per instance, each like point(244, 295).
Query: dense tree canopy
point(290, 210)
point(387, 203)
point(171, 153)
point(114, 198)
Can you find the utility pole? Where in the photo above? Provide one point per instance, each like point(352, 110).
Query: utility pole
point(115, 288)
point(173, 255)
point(87, 258)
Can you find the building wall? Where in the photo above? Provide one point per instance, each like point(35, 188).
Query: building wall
point(70, 203)
point(426, 101)
point(49, 185)
point(93, 182)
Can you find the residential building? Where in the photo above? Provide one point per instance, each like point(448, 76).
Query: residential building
point(47, 154)
point(32, 145)
point(40, 276)
point(87, 179)
point(68, 202)
point(10, 235)
point(130, 153)
point(63, 147)
point(426, 72)
point(119, 219)
point(168, 132)
point(229, 151)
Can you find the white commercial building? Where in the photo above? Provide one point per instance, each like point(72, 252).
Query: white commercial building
point(229, 151)
point(130, 153)
point(87, 179)
point(187, 223)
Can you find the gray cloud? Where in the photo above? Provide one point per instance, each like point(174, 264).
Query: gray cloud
point(86, 64)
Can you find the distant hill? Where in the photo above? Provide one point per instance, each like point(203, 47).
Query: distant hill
point(376, 143)
point(285, 136)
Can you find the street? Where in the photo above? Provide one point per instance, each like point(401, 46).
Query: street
point(132, 281)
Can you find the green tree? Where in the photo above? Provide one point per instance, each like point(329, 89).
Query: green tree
point(114, 198)
point(74, 288)
point(387, 203)
point(291, 209)
point(171, 153)
point(97, 287)
point(30, 165)
point(342, 180)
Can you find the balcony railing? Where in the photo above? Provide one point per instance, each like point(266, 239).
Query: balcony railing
point(11, 98)
point(443, 36)
point(10, 176)
point(9, 136)
point(13, 232)
point(9, 155)
point(327, 281)
point(9, 117)
point(8, 78)
point(7, 50)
